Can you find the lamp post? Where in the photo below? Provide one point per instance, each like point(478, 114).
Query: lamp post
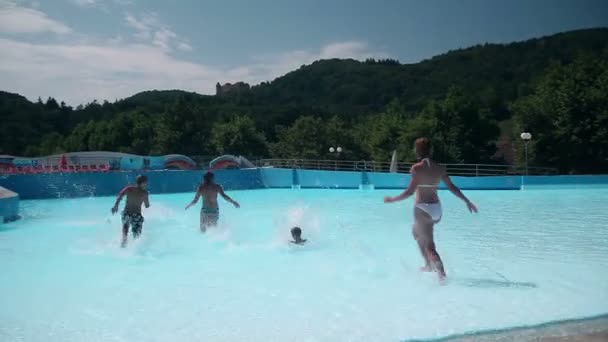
point(337, 151)
point(526, 137)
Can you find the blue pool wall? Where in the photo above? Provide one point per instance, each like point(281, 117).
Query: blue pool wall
point(65, 185)
point(9, 205)
point(566, 181)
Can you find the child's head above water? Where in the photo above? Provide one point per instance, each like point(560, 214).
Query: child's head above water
point(296, 233)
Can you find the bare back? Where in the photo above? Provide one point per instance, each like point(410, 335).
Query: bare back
point(209, 193)
point(427, 175)
point(135, 198)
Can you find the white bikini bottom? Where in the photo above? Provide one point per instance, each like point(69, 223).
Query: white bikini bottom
point(432, 209)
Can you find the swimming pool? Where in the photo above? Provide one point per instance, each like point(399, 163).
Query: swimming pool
point(528, 257)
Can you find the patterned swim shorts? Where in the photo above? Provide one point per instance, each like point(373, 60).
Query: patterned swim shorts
point(135, 220)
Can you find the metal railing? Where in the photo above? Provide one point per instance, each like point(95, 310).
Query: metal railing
point(375, 166)
point(54, 163)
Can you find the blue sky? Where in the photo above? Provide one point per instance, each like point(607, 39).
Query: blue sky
point(80, 50)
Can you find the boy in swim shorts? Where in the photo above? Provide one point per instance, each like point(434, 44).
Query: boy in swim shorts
point(131, 215)
point(210, 213)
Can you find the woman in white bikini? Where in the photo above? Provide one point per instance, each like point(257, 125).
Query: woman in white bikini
point(426, 176)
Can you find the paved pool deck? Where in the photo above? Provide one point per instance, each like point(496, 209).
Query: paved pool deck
point(592, 330)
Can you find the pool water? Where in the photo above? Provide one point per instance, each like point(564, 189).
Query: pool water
point(528, 257)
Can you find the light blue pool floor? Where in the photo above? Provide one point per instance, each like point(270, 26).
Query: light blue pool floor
point(528, 257)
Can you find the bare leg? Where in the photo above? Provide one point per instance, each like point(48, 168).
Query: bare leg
point(424, 227)
point(435, 259)
point(136, 232)
point(203, 223)
point(209, 220)
point(125, 234)
point(427, 264)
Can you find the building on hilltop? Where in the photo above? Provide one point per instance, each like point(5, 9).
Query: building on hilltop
point(228, 88)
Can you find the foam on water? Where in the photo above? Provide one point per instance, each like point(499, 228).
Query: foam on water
point(527, 258)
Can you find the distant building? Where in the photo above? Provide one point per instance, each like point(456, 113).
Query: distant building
point(229, 88)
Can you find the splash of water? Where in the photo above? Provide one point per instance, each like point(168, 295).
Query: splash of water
point(299, 215)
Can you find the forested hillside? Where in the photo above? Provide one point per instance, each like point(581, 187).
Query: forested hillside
point(472, 102)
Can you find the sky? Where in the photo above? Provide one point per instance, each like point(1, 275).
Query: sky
point(81, 50)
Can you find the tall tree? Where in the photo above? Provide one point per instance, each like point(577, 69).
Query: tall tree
point(184, 128)
point(379, 134)
point(568, 117)
point(239, 136)
point(461, 130)
point(305, 139)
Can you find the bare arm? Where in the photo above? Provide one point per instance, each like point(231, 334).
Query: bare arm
point(147, 200)
point(456, 191)
point(227, 198)
point(196, 197)
point(411, 189)
point(121, 194)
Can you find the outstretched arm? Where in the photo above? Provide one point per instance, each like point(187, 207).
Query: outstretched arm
point(147, 200)
point(411, 189)
point(456, 191)
point(196, 197)
point(121, 194)
point(227, 198)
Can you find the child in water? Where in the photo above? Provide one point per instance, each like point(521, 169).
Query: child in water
point(296, 233)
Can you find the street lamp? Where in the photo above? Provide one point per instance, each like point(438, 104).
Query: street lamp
point(337, 151)
point(526, 137)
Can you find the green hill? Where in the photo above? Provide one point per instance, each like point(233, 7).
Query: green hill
point(460, 98)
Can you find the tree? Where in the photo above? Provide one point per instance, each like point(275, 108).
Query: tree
point(305, 139)
point(379, 134)
point(51, 104)
point(460, 129)
point(239, 136)
point(142, 133)
point(78, 140)
point(421, 126)
point(383, 105)
point(568, 117)
point(339, 133)
point(52, 143)
point(183, 128)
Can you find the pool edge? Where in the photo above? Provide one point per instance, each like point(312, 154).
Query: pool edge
point(566, 328)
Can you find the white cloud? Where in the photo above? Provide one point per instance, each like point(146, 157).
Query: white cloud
point(82, 72)
point(142, 25)
point(162, 38)
point(149, 28)
point(85, 3)
point(124, 2)
point(85, 69)
point(96, 3)
point(184, 46)
point(16, 19)
point(268, 67)
point(346, 50)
